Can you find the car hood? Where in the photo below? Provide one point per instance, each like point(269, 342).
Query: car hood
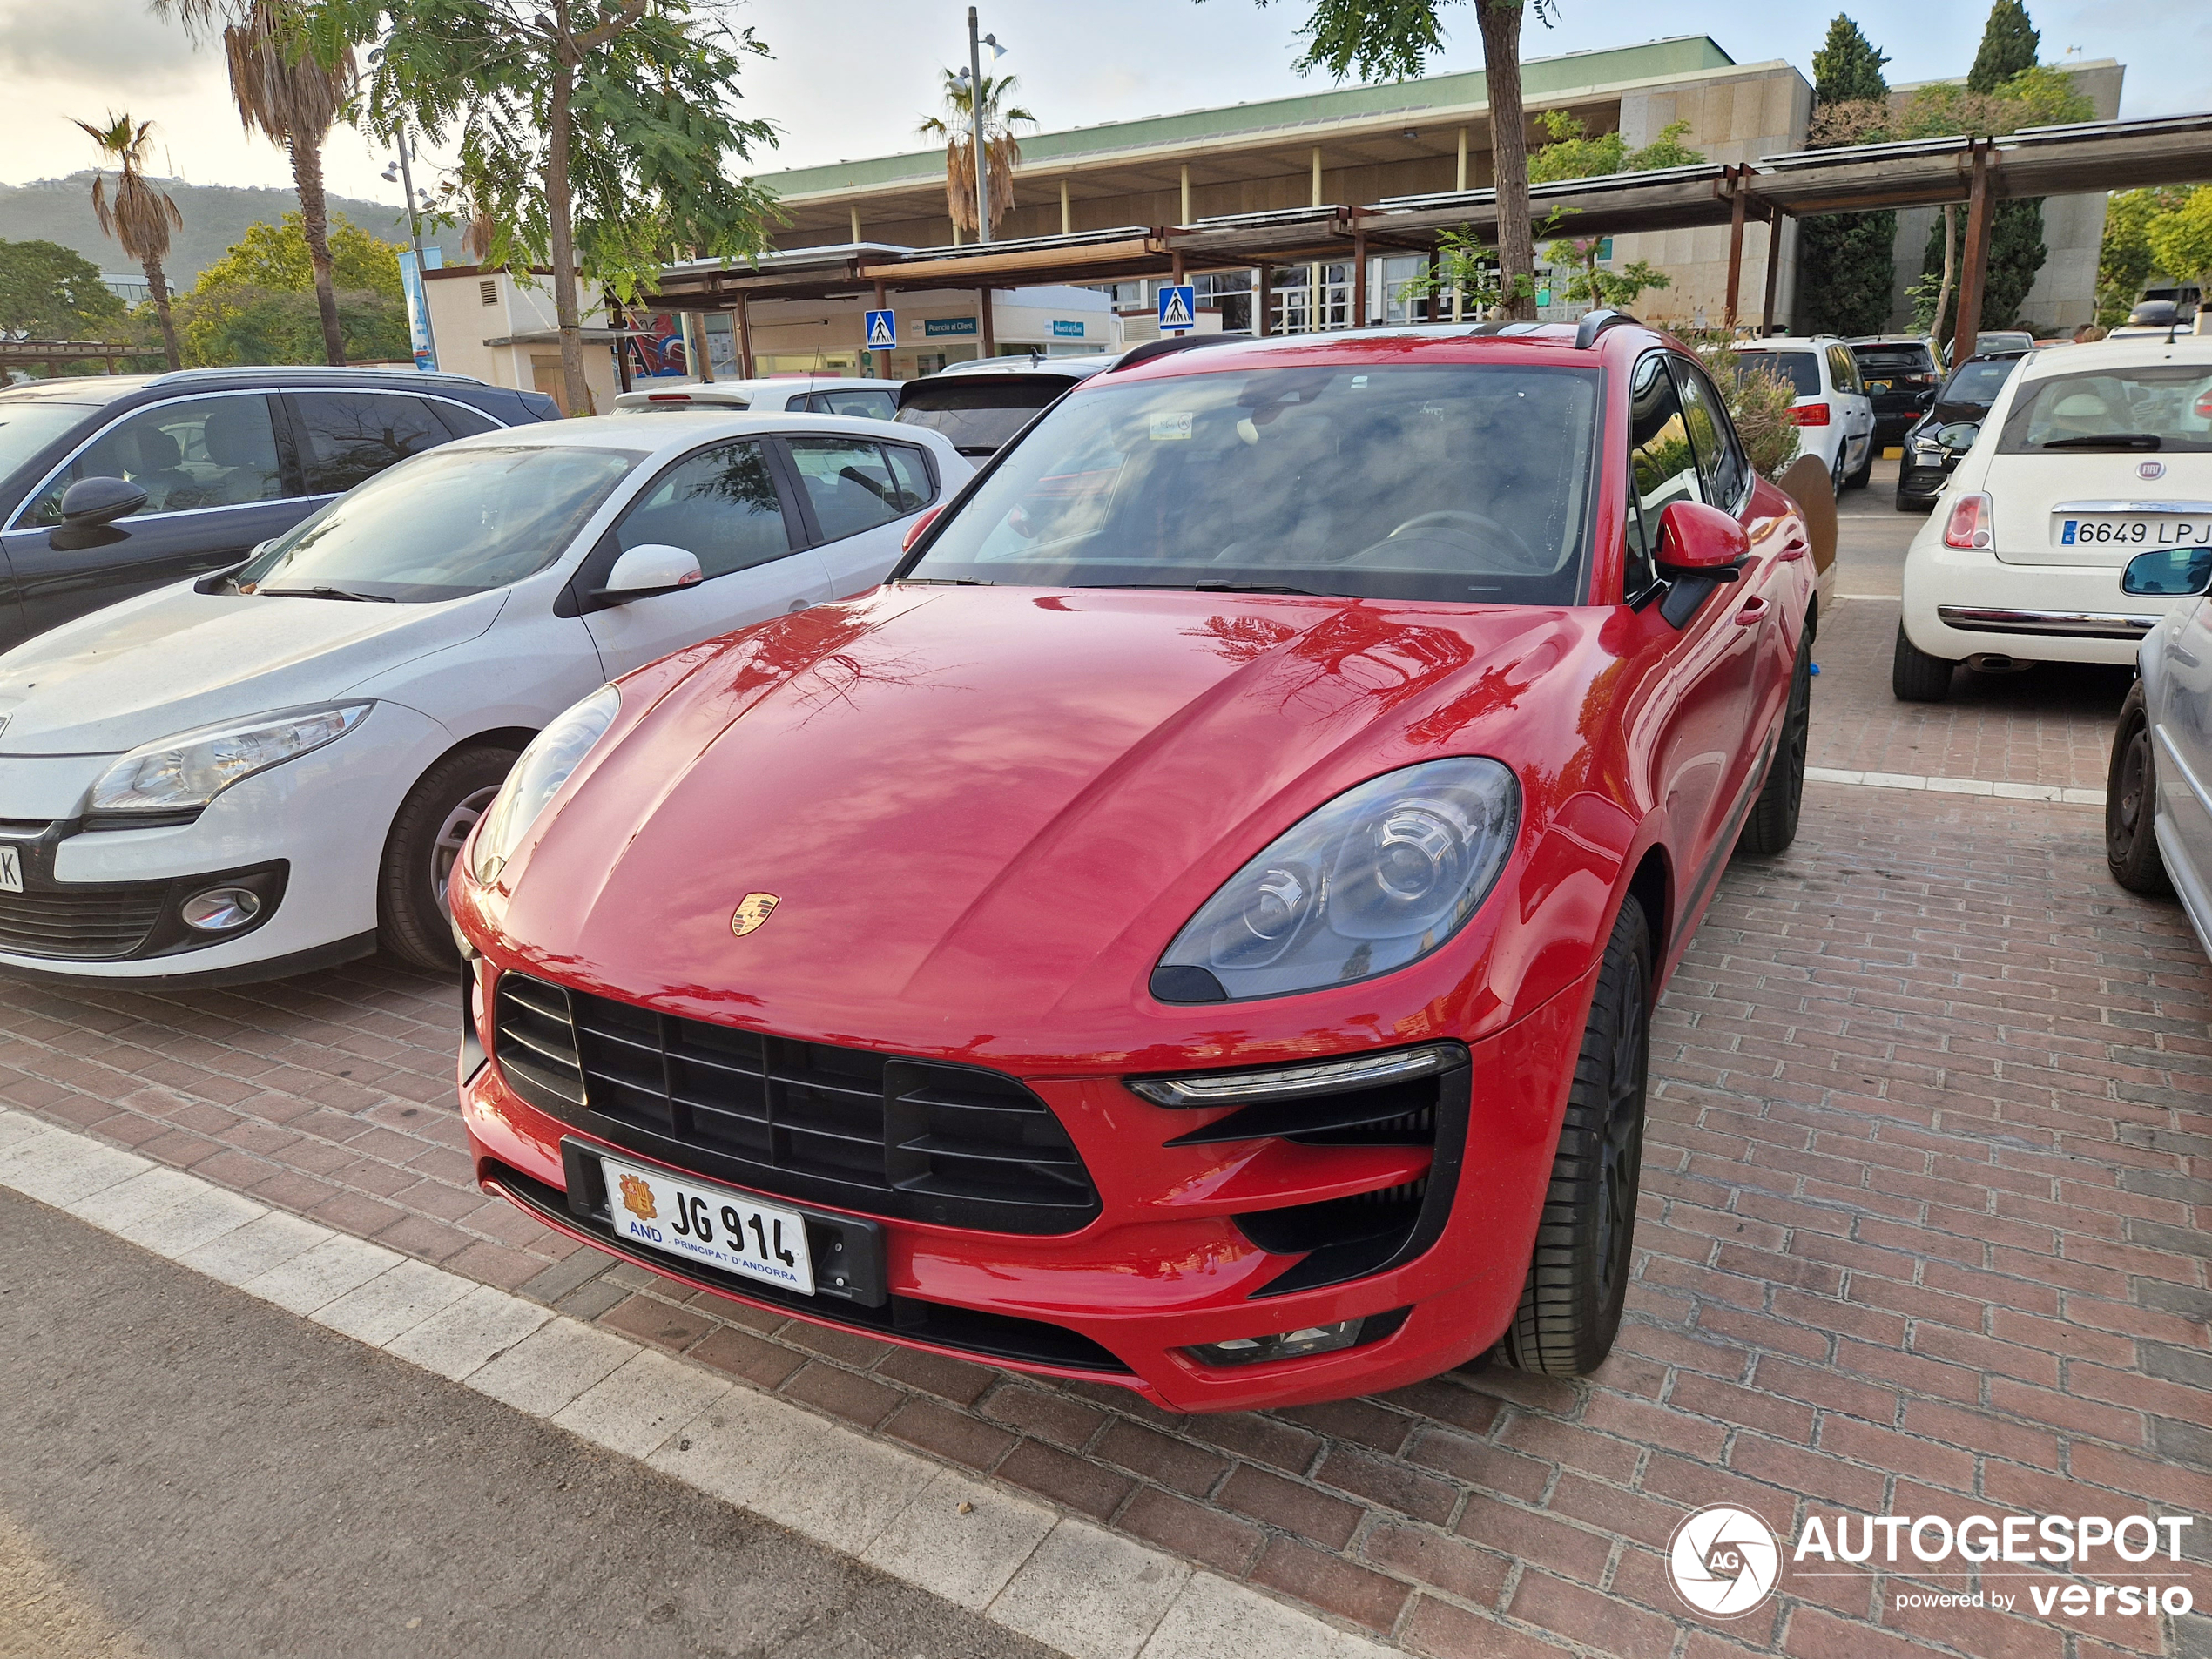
point(979, 807)
point(176, 658)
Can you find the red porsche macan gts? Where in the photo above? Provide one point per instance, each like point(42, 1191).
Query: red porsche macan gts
point(1196, 926)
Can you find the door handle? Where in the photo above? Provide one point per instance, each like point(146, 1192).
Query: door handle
point(1793, 548)
point(797, 605)
point(1753, 611)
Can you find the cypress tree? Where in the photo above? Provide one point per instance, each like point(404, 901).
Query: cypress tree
point(1845, 261)
point(2009, 43)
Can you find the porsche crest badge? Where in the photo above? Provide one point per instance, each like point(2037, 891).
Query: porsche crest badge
point(755, 908)
point(638, 1197)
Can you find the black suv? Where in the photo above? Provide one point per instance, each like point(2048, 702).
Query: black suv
point(1900, 377)
point(114, 484)
point(1947, 431)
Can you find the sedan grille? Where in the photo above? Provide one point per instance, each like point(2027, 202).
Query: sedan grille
point(98, 924)
point(953, 1145)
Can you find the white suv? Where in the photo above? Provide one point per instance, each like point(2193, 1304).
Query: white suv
point(1834, 414)
point(2091, 456)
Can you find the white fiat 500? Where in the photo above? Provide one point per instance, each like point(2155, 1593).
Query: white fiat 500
point(2090, 456)
point(272, 767)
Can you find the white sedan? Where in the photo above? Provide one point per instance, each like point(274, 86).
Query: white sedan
point(273, 768)
point(2090, 456)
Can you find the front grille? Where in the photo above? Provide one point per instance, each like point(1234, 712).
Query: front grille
point(953, 1145)
point(95, 924)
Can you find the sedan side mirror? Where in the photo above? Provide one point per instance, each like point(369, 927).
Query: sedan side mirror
point(2169, 572)
point(1697, 540)
point(648, 569)
point(1959, 438)
point(100, 500)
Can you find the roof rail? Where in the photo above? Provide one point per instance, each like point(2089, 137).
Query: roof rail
point(308, 372)
point(1504, 326)
point(1145, 350)
point(1595, 323)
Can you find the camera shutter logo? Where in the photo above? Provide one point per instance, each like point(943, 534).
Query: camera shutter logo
point(1724, 1561)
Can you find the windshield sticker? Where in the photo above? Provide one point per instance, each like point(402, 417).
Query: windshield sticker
point(1172, 424)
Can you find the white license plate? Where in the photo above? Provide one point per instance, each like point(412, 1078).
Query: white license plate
point(2145, 533)
point(724, 1229)
point(11, 870)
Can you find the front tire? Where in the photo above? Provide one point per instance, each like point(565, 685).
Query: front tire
point(1915, 677)
point(1773, 823)
point(2131, 796)
point(1864, 475)
point(412, 922)
point(1578, 1275)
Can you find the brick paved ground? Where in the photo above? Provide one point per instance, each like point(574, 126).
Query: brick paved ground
point(1928, 1182)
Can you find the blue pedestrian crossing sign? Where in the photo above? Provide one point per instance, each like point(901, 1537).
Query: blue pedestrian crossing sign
point(1178, 308)
point(883, 331)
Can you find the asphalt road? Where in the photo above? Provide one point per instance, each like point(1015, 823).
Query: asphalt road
point(1871, 536)
point(184, 1470)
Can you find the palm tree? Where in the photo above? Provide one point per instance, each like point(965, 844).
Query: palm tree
point(288, 93)
point(140, 218)
point(1001, 153)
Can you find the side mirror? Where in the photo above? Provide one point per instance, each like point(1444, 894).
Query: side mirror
point(1697, 540)
point(648, 569)
point(100, 500)
point(2170, 572)
point(1959, 438)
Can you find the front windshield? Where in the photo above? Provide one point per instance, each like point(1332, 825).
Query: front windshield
point(2156, 405)
point(446, 525)
point(29, 424)
point(1454, 482)
point(1975, 385)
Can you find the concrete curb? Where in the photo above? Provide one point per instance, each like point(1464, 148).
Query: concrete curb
point(1955, 785)
point(1088, 1592)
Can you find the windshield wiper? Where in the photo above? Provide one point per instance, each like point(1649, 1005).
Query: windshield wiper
point(328, 593)
point(2107, 440)
point(947, 582)
point(1210, 587)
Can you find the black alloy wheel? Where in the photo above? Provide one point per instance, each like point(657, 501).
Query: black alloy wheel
point(1578, 1274)
point(1773, 823)
point(2131, 802)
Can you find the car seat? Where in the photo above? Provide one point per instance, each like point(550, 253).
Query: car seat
point(245, 448)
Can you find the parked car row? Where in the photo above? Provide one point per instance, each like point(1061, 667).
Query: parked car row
point(1195, 926)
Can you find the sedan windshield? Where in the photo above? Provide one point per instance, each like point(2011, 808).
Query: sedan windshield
point(1455, 482)
point(2157, 406)
point(442, 526)
point(29, 424)
point(1974, 387)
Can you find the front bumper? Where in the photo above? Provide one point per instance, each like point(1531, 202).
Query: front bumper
point(1168, 1261)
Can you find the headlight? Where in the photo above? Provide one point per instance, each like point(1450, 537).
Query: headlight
point(1378, 878)
point(186, 772)
point(544, 766)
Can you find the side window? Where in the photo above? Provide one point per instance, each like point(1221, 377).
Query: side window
point(461, 420)
point(346, 437)
point(1720, 463)
point(720, 505)
point(195, 453)
point(1842, 368)
point(848, 483)
point(907, 466)
point(872, 405)
point(1660, 462)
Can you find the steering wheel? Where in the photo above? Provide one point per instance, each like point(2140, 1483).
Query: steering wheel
point(1455, 518)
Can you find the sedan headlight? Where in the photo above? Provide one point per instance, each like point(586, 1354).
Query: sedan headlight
point(1378, 878)
point(184, 772)
point(553, 755)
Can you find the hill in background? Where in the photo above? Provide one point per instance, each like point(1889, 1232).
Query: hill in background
point(60, 210)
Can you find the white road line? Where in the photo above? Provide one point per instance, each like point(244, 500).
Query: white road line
point(1955, 785)
point(1075, 1586)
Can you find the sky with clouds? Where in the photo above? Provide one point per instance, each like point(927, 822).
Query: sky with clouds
point(852, 77)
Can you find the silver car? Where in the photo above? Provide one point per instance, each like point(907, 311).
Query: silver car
point(2158, 797)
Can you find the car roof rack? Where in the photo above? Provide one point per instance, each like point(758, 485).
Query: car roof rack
point(309, 372)
point(1596, 323)
point(1144, 351)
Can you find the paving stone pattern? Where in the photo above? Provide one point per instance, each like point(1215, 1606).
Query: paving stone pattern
point(1925, 1230)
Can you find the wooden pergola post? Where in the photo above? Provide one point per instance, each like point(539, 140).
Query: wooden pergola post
point(1264, 302)
point(1975, 274)
point(1739, 195)
point(705, 368)
point(986, 322)
point(1358, 278)
point(1773, 269)
point(744, 338)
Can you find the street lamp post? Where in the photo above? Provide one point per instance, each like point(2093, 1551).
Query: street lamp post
point(414, 235)
point(975, 131)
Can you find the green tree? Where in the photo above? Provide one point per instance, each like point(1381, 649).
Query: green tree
point(278, 257)
point(2181, 238)
point(2125, 263)
point(262, 301)
point(1593, 285)
point(1846, 262)
point(1572, 153)
point(595, 135)
point(291, 97)
point(956, 129)
point(2009, 43)
point(139, 217)
point(48, 291)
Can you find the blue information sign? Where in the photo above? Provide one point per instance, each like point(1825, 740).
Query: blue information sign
point(883, 331)
point(1178, 308)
